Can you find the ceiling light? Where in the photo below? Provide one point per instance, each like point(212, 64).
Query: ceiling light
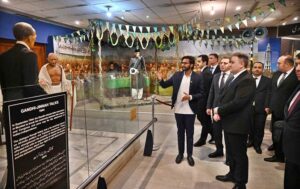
point(122, 17)
point(238, 8)
point(108, 13)
point(295, 18)
point(5, 1)
point(284, 23)
point(77, 22)
point(212, 12)
point(147, 16)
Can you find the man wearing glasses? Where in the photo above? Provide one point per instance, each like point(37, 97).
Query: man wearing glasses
point(187, 90)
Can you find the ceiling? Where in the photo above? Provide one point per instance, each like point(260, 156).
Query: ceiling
point(153, 12)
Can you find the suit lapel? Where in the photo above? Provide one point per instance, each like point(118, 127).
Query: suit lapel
point(286, 107)
point(231, 84)
point(261, 82)
point(287, 79)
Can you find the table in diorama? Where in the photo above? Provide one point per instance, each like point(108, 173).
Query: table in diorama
point(38, 139)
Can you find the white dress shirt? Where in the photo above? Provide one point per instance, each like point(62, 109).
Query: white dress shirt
point(183, 107)
point(257, 80)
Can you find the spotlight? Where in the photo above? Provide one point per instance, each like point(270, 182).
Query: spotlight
point(284, 23)
point(122, 17)
point(295, 18)
point(108, 13)
point(147, 16)
point(5, 1)
point(77, 22)
point(238, 8)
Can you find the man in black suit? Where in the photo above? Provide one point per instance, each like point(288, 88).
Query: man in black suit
point(213, 62)
point(284, 81)
point(217, 85)
point(234, 112)
point(187, 90)
point(291, 136)
point(19, 74)
point(203, 118)
point(260, 106)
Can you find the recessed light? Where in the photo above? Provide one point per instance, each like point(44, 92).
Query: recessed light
point(5, 1)
point(147, 16)
point(238, 8)
point(284, 23)
point(296, 18)
point(77, 22)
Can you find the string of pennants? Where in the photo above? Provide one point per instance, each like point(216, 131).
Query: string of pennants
point(220, 24)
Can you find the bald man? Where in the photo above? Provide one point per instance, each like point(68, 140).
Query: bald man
point(52, 77)
point(19, 76)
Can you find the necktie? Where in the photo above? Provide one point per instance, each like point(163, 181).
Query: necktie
point(211, 69)
point(222, 83)
point(293, 105)
point(256, 84)
point(281, 80)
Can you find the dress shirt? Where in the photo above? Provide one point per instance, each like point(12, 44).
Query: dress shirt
point(183, 107)
point(225, 77)
point(257, 80)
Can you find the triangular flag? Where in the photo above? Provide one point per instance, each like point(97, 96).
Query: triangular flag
point(163, 29)
point(120, 27)
point(237, 25)
point(202, 33)
point(113, 27)
point(229, 27)
point(78, 32)
point(254, 18)
point(127, 27)
point(141, 29)
point(155, 29)
point(282, 2)
point(215, 30)
point(227, 19)
point(148, 29)
point(107, 25)
point(171, 29)
point(245, 22)
point(222, 29)
point(134, 28)
point(272, 7)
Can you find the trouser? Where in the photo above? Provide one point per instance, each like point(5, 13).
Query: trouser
point(217, 131)
point(257, 129)
point(277, 144)
point(185, 125)
point(205, 121)
point(236, 148)
point(291, 175)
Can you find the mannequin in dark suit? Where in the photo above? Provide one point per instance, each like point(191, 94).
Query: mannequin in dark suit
point(260, 105)
point(203, 118)
point(218, 84)
point(187, 90)
point(281, 91)
point(291, 136)
point(19, 74)
point(213, 62)
point(234, 112)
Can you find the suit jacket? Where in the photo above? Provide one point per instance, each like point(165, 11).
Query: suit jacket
point(281, 94)
point(206, 77)
point(196, 88)
point(235, 107)
point(217, 70)
point(262, 94)
point(19, 73)
point(214, 92)
point(291, 131)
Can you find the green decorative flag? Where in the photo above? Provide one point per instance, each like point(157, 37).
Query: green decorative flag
point(155, 29)
point(272, 7)
point(229, 27)
point(227, 19)
point(222, 29)
point(148, 29)
point(163, 29)
point(254, 18)
point(282, 2)
point(171, 29)
point(245, 22)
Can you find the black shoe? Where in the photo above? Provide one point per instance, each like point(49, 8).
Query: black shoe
point(258, 150)
point(271, 148)
point(179, 158)
point(226, 162)
point(191, 161)
point(239, 186)
point(274, 159)
point(225, 178)
point(199, 143)
point(216, 154)
point(249, 144)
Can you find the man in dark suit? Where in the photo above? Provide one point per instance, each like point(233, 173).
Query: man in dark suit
point(260, 105)
point(234, 112)
point(213, 62)
point(284, 81)
point(217, 85)
point(203, 118)
point(187, 90)
point(291, 136)
point(19, 74)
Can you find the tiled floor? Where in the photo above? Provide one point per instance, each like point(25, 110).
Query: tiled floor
point(161, 172)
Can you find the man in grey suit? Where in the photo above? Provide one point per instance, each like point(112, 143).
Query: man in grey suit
point(217, 85)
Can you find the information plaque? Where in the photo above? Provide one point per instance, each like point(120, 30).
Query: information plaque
point(38, 137)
